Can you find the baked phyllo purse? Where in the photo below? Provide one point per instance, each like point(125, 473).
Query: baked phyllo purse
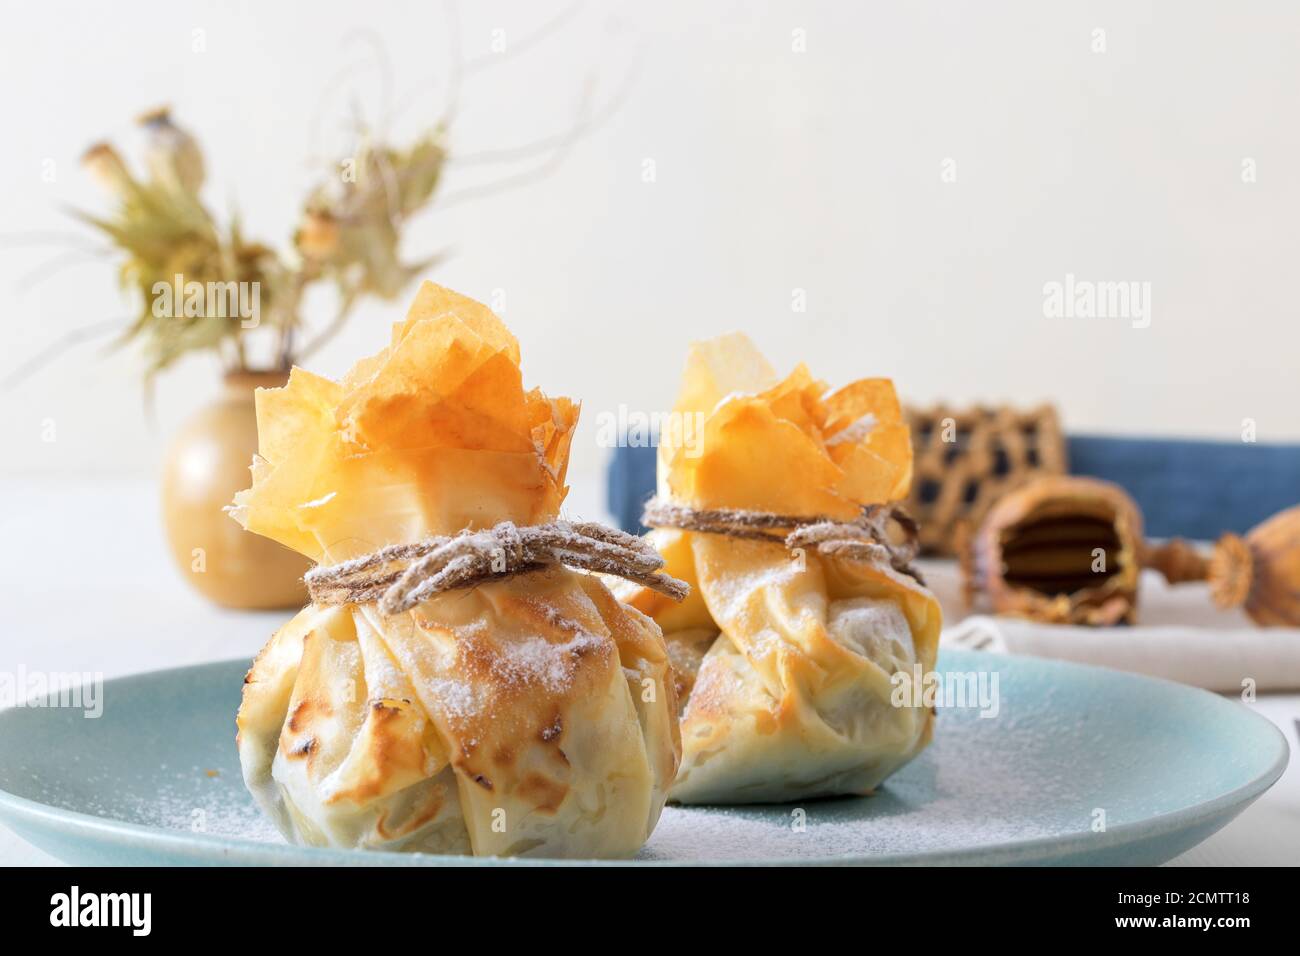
point(798, 650)
point(455, 685)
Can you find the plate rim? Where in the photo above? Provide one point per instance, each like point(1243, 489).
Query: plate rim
point(203, 847)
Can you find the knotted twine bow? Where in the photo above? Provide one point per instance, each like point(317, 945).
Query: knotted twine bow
point(866, 540)
point(401, 576)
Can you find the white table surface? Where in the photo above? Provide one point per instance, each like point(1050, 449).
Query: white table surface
point(129, 611)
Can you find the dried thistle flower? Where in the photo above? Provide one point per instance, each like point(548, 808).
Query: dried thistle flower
point(350, 233)
point(352, 226)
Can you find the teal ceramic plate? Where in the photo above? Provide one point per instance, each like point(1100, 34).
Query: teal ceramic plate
point(1079, 766)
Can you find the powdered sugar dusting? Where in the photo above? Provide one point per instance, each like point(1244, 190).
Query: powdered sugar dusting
point(536, 660)
point(456, 697)
point(982, 783)
point(194, 800)
point(176, 809)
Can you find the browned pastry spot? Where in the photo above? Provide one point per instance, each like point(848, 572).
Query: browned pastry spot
point(433, 803)
point(543, 793)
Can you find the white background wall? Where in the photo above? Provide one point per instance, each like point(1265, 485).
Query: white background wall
point(776, 170)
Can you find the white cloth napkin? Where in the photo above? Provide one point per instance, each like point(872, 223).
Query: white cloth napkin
point(1180, 635)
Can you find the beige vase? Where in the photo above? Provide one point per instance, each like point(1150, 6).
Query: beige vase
point(206, 464)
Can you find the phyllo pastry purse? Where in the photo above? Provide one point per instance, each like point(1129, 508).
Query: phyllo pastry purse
point(806, 623)
point(455, 686)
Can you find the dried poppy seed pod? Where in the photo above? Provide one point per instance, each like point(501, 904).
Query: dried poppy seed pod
point(1261, 572)
point(1063, 550)
point(318, 235)
point(103, 163)
point(174, 157)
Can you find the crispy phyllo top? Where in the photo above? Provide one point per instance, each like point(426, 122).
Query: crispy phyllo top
point(433, 434)
point(753, 441)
